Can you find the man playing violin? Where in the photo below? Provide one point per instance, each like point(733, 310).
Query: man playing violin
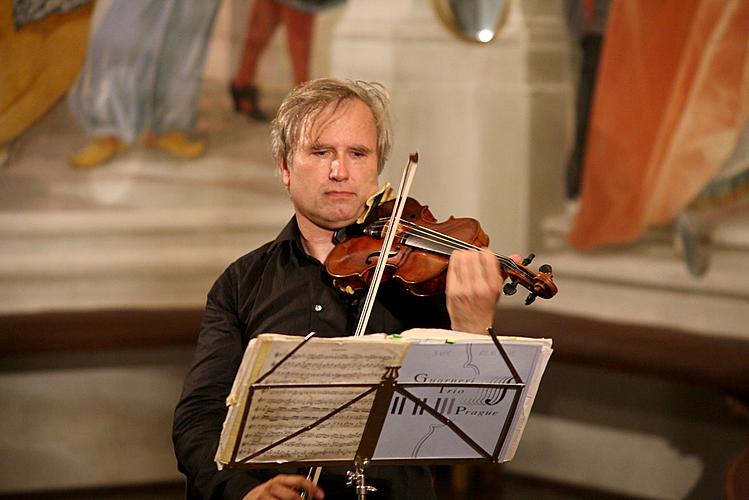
point(331, 139)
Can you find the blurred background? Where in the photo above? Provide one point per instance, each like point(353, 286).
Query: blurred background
point(608, 138)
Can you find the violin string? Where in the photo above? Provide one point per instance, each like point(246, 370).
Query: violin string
point(453, 243)
point(430, 235)
point(436, 237)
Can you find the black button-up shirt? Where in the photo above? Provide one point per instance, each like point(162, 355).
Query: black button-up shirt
point(278, 288)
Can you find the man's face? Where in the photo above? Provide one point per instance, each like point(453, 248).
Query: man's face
point(334, 167)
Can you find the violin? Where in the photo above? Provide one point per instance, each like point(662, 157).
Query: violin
point(419, 254)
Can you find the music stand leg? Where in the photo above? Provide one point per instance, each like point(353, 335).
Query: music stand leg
point(357, 478)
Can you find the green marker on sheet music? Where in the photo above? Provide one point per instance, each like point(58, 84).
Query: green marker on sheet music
point(449, 341)
point(396, 336)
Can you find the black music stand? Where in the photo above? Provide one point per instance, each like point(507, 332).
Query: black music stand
point(384, 392)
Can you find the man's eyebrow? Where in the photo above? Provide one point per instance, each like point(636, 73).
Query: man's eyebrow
point(361, 148)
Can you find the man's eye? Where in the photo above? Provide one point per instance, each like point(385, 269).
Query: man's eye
point(320, 152)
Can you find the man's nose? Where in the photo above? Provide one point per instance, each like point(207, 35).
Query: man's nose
point(339, 169)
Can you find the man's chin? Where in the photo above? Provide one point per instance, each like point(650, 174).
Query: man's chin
point(337, 224)
point(336, 221)
point(341, 216)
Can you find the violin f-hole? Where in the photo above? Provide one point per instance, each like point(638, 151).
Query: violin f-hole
point(391, 254)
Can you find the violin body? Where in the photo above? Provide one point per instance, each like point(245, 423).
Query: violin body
point(421, 271)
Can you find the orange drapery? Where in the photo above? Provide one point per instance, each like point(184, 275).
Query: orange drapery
point(671, 96)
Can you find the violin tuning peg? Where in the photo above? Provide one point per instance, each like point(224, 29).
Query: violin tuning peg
point(530, 298)
point(528, 259)
point(510, 288)
point(546, 268)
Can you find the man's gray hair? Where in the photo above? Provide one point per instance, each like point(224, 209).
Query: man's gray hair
point(303, 105)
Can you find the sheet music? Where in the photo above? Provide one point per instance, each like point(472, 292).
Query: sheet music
point(277, 413)
point(335, 439)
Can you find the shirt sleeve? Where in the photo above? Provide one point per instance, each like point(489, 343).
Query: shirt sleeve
point(200, 413)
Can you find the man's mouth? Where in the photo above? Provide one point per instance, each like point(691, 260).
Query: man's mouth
point(340, 194)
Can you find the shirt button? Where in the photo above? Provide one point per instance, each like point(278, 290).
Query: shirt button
point(318, 307)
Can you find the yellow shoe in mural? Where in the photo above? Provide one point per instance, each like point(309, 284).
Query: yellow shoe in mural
point(176, 143)
point(97, 152)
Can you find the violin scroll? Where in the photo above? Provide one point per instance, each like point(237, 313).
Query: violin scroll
point(540, 284)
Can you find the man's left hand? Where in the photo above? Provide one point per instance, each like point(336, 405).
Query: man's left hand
point(474, 284)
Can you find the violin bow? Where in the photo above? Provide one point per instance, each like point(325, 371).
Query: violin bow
point(400, 203)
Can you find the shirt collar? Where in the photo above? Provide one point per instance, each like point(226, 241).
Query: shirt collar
point(292, 236)
point(289, 233)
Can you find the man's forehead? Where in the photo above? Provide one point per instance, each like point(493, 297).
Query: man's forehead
point(316, 122)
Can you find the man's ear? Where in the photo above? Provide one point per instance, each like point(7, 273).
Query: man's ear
point(285, 174)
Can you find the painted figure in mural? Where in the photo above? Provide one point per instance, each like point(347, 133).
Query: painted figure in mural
point(331, 139)
point(726, 195)
point(42, 48)
point(668, 123)
point(142, 78)
point(586, 20)
point(265, 16)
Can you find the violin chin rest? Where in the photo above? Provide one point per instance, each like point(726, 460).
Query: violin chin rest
point(340, 235)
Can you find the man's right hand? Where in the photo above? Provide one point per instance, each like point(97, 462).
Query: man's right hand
point(285, 487)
